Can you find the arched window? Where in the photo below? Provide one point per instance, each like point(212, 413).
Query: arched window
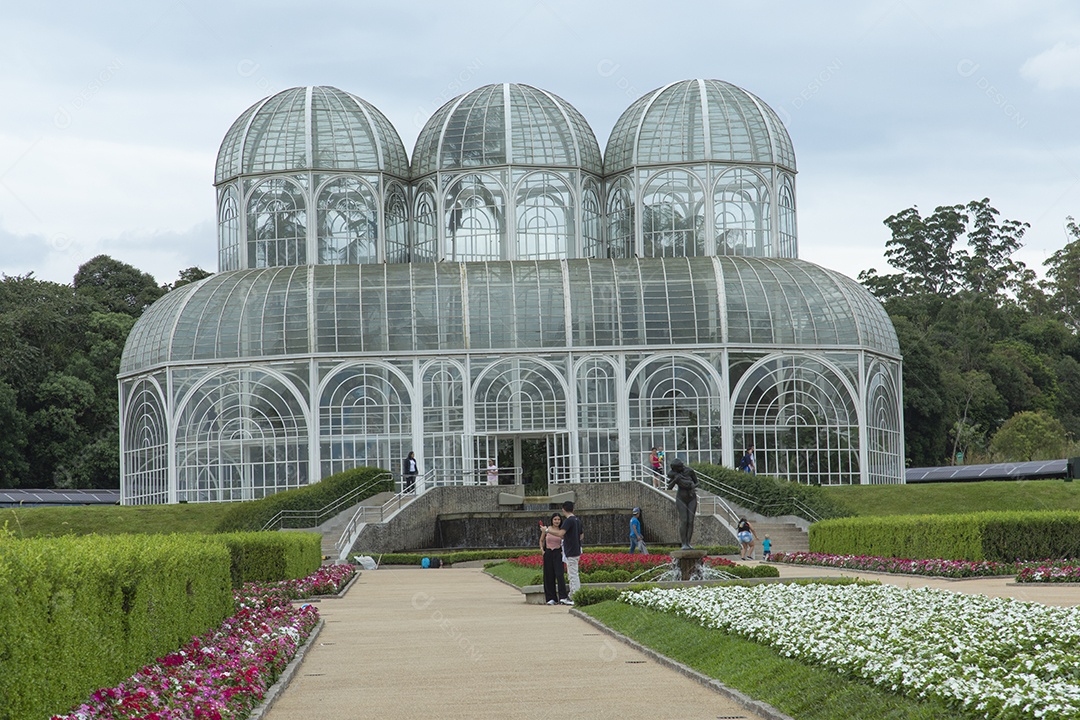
point(884, 434)
point(801, 417)
point(365, 419)
point(673, 215)
point(426, 218)
point(475, 219)
point(789, 245)
point(519, 395)
point(675, 405)
point(444, 420)
point(741, 210)
point(591, 241)
point(397, 224)
point(228, 231)
point(545, 218)
point(145, 455)
point(597, 418)
point(620, 219)
point(241, 436)
point(277, 224)
point(348, 223)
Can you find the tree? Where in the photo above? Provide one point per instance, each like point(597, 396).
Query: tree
point(1063, 277)
point(188, 276)
point(114, 286)
point(957, 247)
point(1029, 436)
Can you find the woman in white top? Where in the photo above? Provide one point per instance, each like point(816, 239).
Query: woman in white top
point(492, 473)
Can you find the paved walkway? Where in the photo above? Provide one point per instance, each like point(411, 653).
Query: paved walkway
point(455, 643)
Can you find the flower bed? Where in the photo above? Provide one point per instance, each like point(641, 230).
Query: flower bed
point(1061, 571)
point(997, 657)
point(591, 562)
point(938, 568)
point(225, 672)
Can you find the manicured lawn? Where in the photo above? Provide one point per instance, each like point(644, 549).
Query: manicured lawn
point(113, 519)
point(946, 498)
point(514, 574)
point(805, 693)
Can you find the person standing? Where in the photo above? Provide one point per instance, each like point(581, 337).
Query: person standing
point(656, 461)
point(554, 579)
point(684, 477)
point(766, 549)
point(637, 538)
point(572, 533)
point(409, 471)
point(492, 472)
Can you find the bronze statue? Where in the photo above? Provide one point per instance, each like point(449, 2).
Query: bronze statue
point(685, 498)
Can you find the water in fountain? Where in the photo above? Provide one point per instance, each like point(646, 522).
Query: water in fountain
point(670, 572)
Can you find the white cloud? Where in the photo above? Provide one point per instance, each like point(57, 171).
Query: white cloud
point(1054, 69)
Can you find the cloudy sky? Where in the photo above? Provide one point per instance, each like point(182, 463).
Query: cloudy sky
point(112, 113)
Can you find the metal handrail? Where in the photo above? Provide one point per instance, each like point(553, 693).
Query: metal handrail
point(316, 517)
point(752, 503)
point(376, 513)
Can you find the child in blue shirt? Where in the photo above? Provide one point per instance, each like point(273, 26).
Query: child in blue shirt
point(766, 548)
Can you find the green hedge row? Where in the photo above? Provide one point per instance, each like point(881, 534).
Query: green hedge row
point(618, 575)
point(774, 495)
point(81, 613)
point(253, 515)
point(598, 594)
point(995, 536)
point(449, 557)
point(270, 556)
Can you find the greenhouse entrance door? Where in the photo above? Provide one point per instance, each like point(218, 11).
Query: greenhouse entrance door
point(535, 459)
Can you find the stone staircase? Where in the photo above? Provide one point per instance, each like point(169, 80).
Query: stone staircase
point(785, 536)
point(331, 529)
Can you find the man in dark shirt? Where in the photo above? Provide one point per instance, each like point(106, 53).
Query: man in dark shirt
point(575, 533)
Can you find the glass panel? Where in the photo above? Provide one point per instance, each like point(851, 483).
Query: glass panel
point(673, 215)
point(475, 219)
point(228, 230)
point(620, 219)
point(741, 211)
point(365, 419)
point(348, 223)
point(545, 218)
point(277, 225)
point(397, 225)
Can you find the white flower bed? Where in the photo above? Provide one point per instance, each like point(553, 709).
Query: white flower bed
point(1000, 657)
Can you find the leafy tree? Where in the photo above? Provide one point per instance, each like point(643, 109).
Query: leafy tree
point(956, 247)
point(13, 439)
point(114, 286)
point(189, 275)
point(1030, 436)
point(1063, 277)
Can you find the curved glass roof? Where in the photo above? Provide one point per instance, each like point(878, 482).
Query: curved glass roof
point(311, 128)
point(521, 305)
point(506, 124)
point(698, 121)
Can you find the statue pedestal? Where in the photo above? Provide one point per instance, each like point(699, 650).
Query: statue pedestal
point(689, 560)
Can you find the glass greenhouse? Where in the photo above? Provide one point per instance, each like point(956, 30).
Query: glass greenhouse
point(511, 295)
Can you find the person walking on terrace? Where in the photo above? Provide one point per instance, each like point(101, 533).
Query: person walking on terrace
point(409, 472)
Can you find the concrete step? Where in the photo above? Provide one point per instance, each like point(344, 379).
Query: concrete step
point(785, 537)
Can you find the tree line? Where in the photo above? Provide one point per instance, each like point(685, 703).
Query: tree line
point(991, 352)
point(60, 348)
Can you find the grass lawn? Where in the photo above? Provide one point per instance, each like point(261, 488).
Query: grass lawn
point(804, 692)
point(113, 519)
point(513, 574)
point(944, 498)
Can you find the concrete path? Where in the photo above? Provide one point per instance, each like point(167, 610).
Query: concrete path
point(455, 643)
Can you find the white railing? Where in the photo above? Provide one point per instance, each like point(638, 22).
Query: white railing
point(376, 513)
point(313, 518)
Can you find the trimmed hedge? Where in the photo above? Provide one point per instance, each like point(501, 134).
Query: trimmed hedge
point(994, 536)
point(81, 613)
point(253, 515)
point(270, 556)
point(774, 495)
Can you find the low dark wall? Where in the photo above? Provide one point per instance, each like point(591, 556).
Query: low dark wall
point(472, 517)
